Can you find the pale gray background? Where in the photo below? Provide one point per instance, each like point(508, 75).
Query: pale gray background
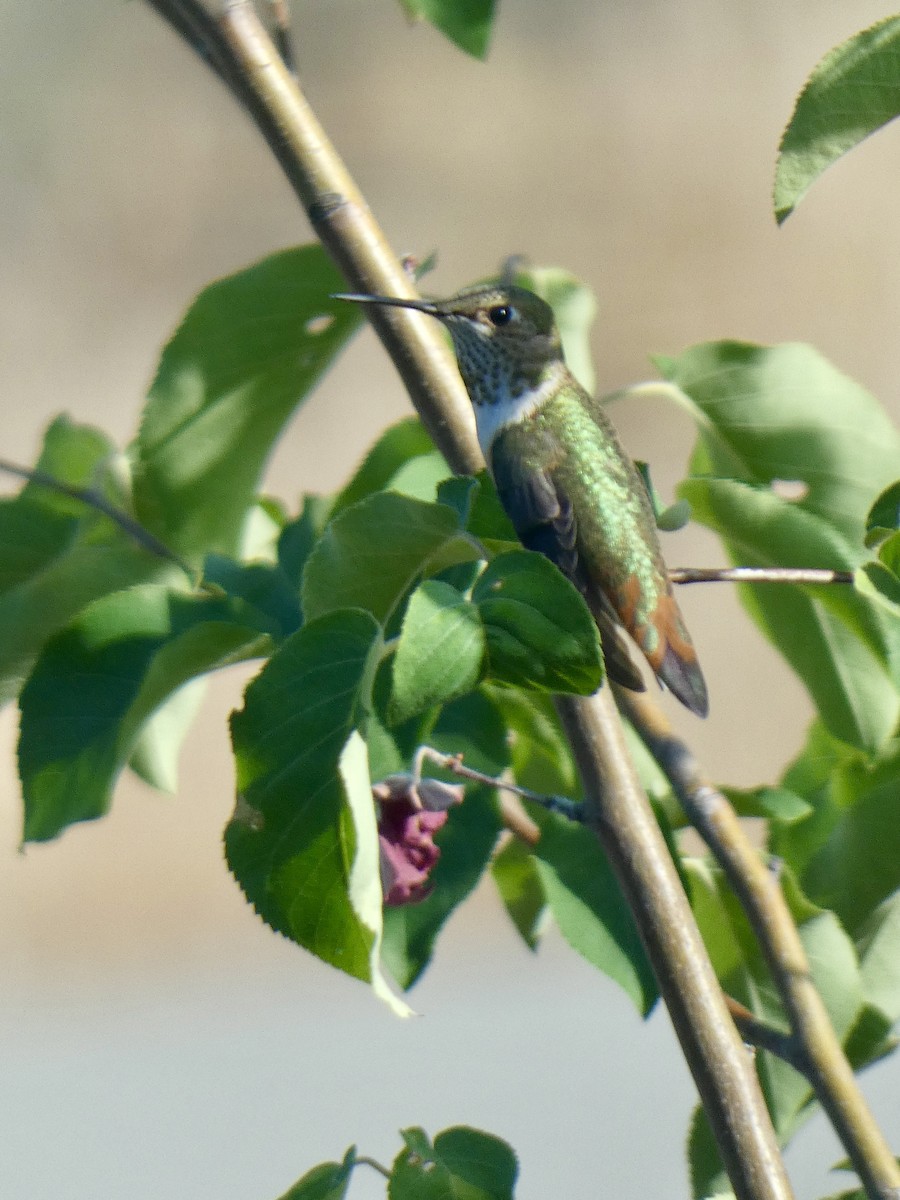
point(156, 1040)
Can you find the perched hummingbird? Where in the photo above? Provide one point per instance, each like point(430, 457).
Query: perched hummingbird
point(564, 480)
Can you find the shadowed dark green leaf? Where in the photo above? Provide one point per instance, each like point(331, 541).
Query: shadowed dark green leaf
point(98, 682)
point(462, 1163)
point(884, 515)
point(853, 91)
point(480, 511)
point(519, 884)
point(373, 553)
point(539, 631)
point(440, 652)
point(780, 414)
point(249, 350)
point(58, 554)
point(303, 842)
point(466, 22)
point(878, 583)
point(588, 906)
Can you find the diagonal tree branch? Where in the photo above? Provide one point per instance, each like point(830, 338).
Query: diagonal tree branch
point(817, 1052)
point(617, 809)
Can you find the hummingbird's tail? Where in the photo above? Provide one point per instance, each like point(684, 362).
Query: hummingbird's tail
point(674, 659)
point(667, 647)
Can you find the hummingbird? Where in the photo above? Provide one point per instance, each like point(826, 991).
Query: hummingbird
point(563, 478)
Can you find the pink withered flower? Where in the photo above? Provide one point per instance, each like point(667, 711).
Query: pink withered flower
point(410, 815)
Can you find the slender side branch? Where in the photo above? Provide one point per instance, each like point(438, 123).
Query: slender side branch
point(618, 812)
point(811, 575)
point(817, 1052)
point(97, 501)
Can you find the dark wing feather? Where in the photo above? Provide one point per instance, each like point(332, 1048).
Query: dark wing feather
point(544, 519)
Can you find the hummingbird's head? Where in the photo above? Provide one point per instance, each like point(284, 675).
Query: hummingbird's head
point(505, 338)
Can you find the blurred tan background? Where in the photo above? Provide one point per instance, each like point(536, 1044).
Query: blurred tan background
point(156, 1039)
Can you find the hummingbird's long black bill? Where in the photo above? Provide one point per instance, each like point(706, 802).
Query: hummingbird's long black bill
point(388, 301)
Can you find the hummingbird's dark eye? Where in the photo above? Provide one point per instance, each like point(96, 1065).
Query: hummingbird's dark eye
point(501, 314)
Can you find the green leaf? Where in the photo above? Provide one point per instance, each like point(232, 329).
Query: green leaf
point(372, 553)
point(884, 515)
point(299, 536)
point(709, 1179)
point(519, 884)
point(853, 91)
point(467, 23)
point(471, 727)
point(440, 652)
point(98, 682)
point(743, 973)
point(158, 747)
point(249, 350)
point(541, 755)
point(539, 631)
point(592, 915)
point(263, 586)
point(328, 1181)
point(767, 415)
point(878, 946)
point(875, 582)
point(847, 853)
point(463, 1163)
point(303, 842)
point(394, 450)
point(58, 554)
point(480, 511)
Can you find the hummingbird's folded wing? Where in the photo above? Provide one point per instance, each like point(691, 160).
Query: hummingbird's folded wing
point(544, 519)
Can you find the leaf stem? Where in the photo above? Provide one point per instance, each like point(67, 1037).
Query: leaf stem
point(374, 1164)
point(817, 1052)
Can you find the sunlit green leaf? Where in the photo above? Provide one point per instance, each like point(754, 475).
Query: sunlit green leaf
point(853, 91)
point(372, 553)
point(518, 881)
point(398, 446)
point(774, 416)
point(440, 652)
point(247, 353)
point(303, 842)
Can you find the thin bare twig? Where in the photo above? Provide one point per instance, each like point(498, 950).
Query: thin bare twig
point(817, 1052)
point(96, 500)
point(564, 805)
point(797, 575)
